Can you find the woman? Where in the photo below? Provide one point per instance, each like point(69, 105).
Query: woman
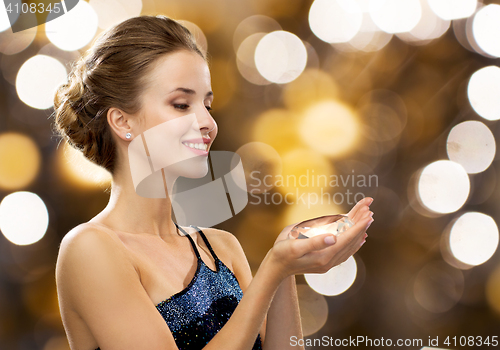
point(129, 278)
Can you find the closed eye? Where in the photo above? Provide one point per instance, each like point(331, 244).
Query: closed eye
point(181, 106)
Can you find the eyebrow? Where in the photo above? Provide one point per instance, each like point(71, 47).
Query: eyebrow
point(191, 91)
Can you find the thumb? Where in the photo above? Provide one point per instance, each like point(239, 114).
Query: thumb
point(319, 242)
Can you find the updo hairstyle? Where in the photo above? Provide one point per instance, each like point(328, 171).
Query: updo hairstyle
point(112, 73)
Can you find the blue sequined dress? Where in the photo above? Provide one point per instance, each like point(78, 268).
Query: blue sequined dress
point(196, 313)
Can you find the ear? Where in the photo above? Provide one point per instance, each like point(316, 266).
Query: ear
point(121, 123)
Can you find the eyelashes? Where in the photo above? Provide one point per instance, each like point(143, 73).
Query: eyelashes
point(183, 107)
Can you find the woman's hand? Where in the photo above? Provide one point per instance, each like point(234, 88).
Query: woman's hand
point(360, 211)
point(315, 254)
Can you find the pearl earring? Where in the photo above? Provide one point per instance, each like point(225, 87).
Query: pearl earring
point(128, 135)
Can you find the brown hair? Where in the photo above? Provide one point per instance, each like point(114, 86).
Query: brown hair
point(112, 73)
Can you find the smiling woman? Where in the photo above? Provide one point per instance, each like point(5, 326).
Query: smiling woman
point(128, 278)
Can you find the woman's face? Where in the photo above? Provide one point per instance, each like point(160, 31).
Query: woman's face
point(175, 116)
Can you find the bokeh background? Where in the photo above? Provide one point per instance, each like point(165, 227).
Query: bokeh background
point(393, 99)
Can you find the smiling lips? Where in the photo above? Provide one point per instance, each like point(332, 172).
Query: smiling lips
point(198, 146)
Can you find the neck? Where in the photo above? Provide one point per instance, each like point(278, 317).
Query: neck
point(129, 212)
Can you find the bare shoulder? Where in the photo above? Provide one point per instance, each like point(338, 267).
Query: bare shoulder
point(84, 246)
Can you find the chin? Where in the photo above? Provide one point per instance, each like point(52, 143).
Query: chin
point(194, 168)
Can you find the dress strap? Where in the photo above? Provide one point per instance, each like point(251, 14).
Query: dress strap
point(191, 240)
point(206, 242)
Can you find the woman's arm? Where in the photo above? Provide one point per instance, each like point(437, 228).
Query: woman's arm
point(284, 317)
point(96, 278)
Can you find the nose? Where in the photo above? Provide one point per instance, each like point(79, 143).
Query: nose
point(206, 123)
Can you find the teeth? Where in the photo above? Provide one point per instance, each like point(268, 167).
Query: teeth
point(200, 146)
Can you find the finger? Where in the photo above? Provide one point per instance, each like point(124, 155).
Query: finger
point(365, 201)
point(356, 231)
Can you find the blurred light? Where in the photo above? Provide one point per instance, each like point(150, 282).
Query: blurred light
point(305, 171)
point(4, 17)
point(80, 170)
point(261, 164)
point(12, 43)
point(485, 28)
point(383, 113)
point(472, 145)
point(472, 44)
point(252, 25)
point(224, 81)
point(438, 287)
point(313, 309)
point(493, 290)
point(111, 12)
point(443, 186)
point(75, 29)
point(330, 128)
point(37, 80)
point(474, 238)
point(277, 128)
point(312, 86)
point(336, 281)
point(198, 34)
point(453, 9)
point(23, 218)
point(484, 92)
point(395, 16)
point(280, 57)
point(335, 21)
point(245, 60)
point(369, 38)
point(429, 27)
point(20, 161)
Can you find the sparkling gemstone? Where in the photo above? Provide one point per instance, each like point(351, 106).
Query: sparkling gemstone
point(335, 224)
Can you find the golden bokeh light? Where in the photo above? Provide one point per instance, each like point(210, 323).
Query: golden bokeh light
point(312, 86)
point(111, 12)
point(313, 309)
point(20, 161)
point(493, 290)
point(12, 43)
point(330, 128)
point(261, 164)
point(79, 170)
point(304, 171)
point(198, 34)
point(278, 128)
